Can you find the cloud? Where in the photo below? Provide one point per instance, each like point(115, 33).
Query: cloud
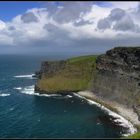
point(29, 17)
point(68, 11)
point(116, 14)
point(118, 20)
point(11, 28)
point(72, 27)
point(2, 25)
point(125, 24)
point(125, 5)
point(104, 24)
point(56, 33)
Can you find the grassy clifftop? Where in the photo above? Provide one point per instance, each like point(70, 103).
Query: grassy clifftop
point(76, 75)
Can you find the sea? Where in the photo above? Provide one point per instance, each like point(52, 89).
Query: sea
point(26, 114)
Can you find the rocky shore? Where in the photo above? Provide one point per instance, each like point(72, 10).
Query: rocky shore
point(122, 110)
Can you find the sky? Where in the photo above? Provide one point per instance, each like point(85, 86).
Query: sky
point(68, 27)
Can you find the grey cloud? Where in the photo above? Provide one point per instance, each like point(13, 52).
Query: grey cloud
point(118, 20)
point(57, 35)
point(73, 46)
point(11, 28)
point(125, 24)
point(55, 31)
point(69, 11)
point(103, 24)
point(116, 14)
point(136, 12)
point(50, 27)
point(138, 9)
point(82, 22)
point(29, 17)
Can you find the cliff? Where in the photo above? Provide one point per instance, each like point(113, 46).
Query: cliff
point(114, 76)
point(117, 77)
point(65, 76)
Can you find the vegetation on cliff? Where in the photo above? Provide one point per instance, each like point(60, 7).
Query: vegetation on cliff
point(74, 76)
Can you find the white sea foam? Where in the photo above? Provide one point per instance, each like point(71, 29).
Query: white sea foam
point(4, 94)
point(30, 91)
point(26, 76)
point(121, 120)
point(18, 88)
point(69, 96)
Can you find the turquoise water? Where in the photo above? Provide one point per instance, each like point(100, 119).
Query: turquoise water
point(25, 115)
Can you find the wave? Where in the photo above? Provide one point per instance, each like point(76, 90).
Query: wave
point(30, 76)
point(4, 94)
point(30, 91)
point(18, 88)
point(119, 119)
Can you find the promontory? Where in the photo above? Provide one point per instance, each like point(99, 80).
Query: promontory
point(113, 76)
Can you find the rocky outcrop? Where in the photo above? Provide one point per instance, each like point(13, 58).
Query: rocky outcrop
point(117, 76)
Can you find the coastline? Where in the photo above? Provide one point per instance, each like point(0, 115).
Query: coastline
point(125, 115)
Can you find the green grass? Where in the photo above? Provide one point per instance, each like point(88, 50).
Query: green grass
point(75, 76)
point(134, 136)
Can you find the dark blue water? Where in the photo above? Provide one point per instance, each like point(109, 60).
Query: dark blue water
point(24, 115)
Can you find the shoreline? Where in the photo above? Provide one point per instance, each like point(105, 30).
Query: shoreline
point(125, 115)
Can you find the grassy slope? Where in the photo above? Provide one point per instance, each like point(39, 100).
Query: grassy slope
point(76, 75)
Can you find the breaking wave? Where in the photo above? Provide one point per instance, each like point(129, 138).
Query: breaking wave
point(30, 91)
point(30, 76)
point(118, 118)
point(4, 94)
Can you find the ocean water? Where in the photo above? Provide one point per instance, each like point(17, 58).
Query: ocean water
point(25, 114)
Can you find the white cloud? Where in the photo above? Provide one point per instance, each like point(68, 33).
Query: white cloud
point(73, 23)
point(2, 25)
point(124, 4)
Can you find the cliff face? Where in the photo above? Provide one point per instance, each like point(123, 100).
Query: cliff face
point(114, 76)
point(49, 68)
point(117, 76)
point(65, 76)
